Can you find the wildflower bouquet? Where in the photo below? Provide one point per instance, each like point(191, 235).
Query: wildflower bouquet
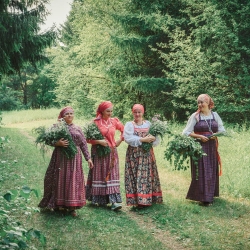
point(157, 128)
point(180, 149)
point(49, 136)
point(92, 132)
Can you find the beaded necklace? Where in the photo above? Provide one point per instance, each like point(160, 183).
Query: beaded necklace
point(138, 124)
point(209, 125)
point(108, 123)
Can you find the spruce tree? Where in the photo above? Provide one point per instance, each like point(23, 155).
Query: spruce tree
point(21, 39)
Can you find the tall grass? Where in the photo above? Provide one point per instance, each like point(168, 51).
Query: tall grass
point(24, 116)
point(225, 225)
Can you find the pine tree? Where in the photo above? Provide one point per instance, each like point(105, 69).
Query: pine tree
point(21, 40)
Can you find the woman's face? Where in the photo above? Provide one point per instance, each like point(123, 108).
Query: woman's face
point(68, 117)
point(137, 113)
point(107, 113)
point(202, 104)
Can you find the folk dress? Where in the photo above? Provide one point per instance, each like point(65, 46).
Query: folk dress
point(142, 183)
point(205, 182)
point(103, 183)
point(64, 179)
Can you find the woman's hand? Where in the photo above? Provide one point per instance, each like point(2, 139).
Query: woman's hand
point(204, 138)
point(118, 142)
point(62, 143)
point(149, 138)
point(90, 163)
point(102, 142)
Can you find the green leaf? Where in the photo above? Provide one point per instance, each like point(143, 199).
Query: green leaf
point(37, 192)
point(26, 189)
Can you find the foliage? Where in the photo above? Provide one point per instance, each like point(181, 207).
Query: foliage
point(3, 141)
point(33, 88)
point(162, 54)
point(49, 136)
point(0, 118)
point(157, 128)
point(12, 234)
point(92, 132)
point(159, 53)
point(211, 54)
point(180, 149)
point(21, 41)
point(9, 99)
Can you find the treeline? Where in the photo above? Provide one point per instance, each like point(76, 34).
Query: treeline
point(160, 53)
point(23, 83)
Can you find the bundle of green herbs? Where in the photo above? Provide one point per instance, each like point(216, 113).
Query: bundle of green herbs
point(49, 136)
point(157, 128)
point(92, 132)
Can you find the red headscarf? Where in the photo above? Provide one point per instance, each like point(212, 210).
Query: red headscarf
point(138, 106)
point(64, 111)
point(208, 100)
point(103, 106)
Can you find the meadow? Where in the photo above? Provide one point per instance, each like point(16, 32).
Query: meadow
point(176, 224)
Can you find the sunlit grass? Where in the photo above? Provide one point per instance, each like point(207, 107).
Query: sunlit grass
point(225, 225)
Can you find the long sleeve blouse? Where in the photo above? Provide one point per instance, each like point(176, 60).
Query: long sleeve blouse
point(133, 139)
point(79, 140)
point(108, 129)
point(192, 121)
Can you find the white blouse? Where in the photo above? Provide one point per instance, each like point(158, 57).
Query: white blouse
point(134, 140)
point(192, 121)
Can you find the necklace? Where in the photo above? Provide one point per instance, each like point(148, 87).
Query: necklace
point(139, 125)
point(108, 123)
point(209, 125)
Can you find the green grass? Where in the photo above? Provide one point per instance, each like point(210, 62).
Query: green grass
point(175, 224)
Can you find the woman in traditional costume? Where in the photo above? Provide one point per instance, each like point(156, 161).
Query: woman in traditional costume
point(205, 176)
point(103, 184)
point(142, 181)
point(64, 187)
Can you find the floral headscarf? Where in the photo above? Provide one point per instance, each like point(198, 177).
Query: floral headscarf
point(64, 111)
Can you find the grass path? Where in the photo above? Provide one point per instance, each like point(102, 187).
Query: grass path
point(141, 222)
point(175, 224)
point(145, 223)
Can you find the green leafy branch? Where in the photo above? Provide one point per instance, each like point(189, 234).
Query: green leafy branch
point(92, 132)
point(12, 234)
point(180, 149)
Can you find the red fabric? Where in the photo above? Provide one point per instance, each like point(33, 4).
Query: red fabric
point(64, 111)
point(108, 129)
point(103, 106)
point(64, 179)
point(138, 106)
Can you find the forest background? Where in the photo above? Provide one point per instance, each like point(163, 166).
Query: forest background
point(161, 54)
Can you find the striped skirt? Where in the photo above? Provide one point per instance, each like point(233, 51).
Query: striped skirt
point(103, 183)
point(64, 182)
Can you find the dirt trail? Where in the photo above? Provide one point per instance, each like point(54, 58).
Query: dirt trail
point(147, 224)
